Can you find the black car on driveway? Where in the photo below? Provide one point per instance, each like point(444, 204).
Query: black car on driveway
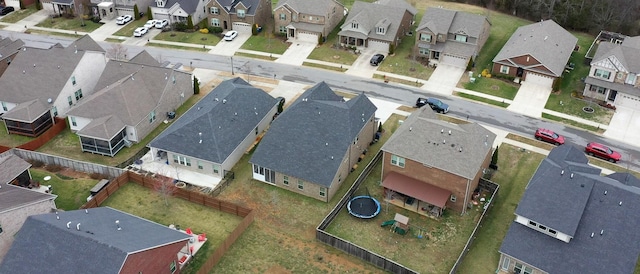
point(6, 10)
point(434, 103)
point(376, 59)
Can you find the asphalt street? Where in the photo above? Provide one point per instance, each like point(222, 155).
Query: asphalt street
point(459, 107)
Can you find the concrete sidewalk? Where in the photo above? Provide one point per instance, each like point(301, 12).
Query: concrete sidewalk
point(29, 21)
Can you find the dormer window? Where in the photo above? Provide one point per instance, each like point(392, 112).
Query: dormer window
point(354, 25)
point(380, 30)
point(425, 37)
point(214, 10)
point(461, 38)
point(600, 73)
point(241, 13)
point(160, 3)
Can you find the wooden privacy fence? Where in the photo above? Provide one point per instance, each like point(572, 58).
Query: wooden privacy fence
point(195, 197)
point(349, 247)
point(36, 143)
point(81, 166)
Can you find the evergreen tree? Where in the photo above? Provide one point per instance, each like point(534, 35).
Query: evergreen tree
point(136, 12)
point(149, 14)
point(196, 85)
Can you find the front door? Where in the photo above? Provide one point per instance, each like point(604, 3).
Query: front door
point(292, 33)
point(519, 72)
point(225, 25)
point(612, 95)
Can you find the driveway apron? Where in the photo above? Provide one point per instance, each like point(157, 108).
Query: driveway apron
point(624, 126)
point(444, 79)
point(361, 67)
point(296, 53)
point(530, 99)
point(229, 48)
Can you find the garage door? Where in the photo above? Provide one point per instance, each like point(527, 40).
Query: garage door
point(378, 46)
point(307, 37)
point(539, 79)
point(242, 27)
point(454, 60)
point(628, 101)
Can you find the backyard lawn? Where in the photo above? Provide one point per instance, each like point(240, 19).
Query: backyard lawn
point(195, 37)
point(11, 140)
point(19, 14)
point(74, 24)
point(72, 191)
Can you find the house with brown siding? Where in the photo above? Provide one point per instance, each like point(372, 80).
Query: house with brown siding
point(238, 15)
point(315, 143)
point(96, 240)
point(307, 20)
point(430, 165)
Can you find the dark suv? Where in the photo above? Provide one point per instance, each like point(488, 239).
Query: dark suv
point(434, 103)
point(6, 10)
point(376, 59)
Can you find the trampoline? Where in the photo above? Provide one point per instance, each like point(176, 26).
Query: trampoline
point(364, 207)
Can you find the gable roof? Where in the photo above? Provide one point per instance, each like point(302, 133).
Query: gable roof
point(144, 58)
point(86, 43)
point(626, 53)
point(214, 127)
point(189, 6)
point(311, 137)
point(398, 3)
point(443, 21)
point(545, 41)
point(11, 166)
point(9, 47)
point(603, 205)
point(98, 247)
point(230, 5)
point(424, 138)
point(316, 7)
point(14, 197)
point(369, 16)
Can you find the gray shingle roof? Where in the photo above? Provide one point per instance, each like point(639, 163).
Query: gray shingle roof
point(310, 138)
point(628, 53)
point(13, 197)
point(424, 138)
point(443, 21)
point(188, 6)
point(27, 111)
point(8, 47)
point(370, 15)
point(316, 7)
point(10, 167)
point(615, 251)
point(144, 58)
point(225, 117)
point(399, 3)
point(545, 41)
point(45, 244)
point(230, 5)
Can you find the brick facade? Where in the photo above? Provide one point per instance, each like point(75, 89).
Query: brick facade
point(11, 221)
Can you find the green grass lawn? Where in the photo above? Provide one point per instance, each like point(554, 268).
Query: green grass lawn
point(196, 37)
point(146, 203)
point(482, 99)
point(11, 140)
point(72, 192)
point(330, 51)
point(127, 30)
point(572, 122)
point(493, 86)
point(515, 170)
point(19, 14)
point(54, 33)
point(74, 24)
point(266, 42)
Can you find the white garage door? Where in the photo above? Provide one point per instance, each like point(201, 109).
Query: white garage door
point(628, 101)
point(378, 46)
point(539, 79)
point(242, 27)
point(307, 37)
point(453, 60)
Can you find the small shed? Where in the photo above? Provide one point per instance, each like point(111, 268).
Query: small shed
point(401, 221)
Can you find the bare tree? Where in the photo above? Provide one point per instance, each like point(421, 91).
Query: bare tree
point(164, 186)
point(117, 52)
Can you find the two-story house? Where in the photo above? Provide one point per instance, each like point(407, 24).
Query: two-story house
point(179, 10)
point(430, 165)
point(307, 20)
point(131, 99)
point(239, 15)
point(573, 220)
point(613, 77)
point(314, 144)
point(43, 83)
point(8, 50)
point(376, 25)
point(450, 37)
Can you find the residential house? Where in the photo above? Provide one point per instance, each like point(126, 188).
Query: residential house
point(239, 15)
point(377, 26)
point(95, 240)
point(58, 7)
point(16, 3)
point(179, 10)
point(110, 9)
point(131, 99)
point(315, 143)
point(450, 37)
point(430, 165)
point(8, 50)
point(613, 77)
point(44, 83)
point(573, 220)
point(217, 131)
point(536, 53)
point(15, 171)
point(307, 20)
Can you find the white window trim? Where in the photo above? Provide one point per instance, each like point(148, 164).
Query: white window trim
point(504, 69)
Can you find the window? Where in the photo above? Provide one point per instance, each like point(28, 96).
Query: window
point(631, 79)
point(533, 223)
point(181, 160)
point(300, 184)
point(241, 13)
point(73, 121)
point(355, 141)
point(619, 75)
point(54, 110)
point(214, 10)
point(294, 17)
point(397, 161)
point(354, 25)
point(285, 180)
point(70, 100)
point(380, 30)
point(4, 106)
point(602, 73)
point(152, 116)
point(78, 94)
point(424, 51)
point(461, 38)
point(453, 198)
point(215, 22)
point(283, 16)
point(73, 80)
point(172, 267)
point(323, 192)
point(200, 165)
point(520, 268)
point(310, 18)
point(175, 158)
point(505, 263)
point(425, 37)
point(283, 29)
point(597, 89)
point(504, 69)
point(216, 169)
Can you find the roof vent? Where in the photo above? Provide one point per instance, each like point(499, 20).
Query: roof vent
point(444, 141)
point(68, 225)
point(410, 128)
point(592, 234)
point(601, 232)
point(605, 192)
point(57, 217)
point(216, 99)
point(620, 203)
point(562, 172)
point(460, 149)
point(78, 227)
point(326, 144)
point(58, 66)
point(545, 38)
point(165, 76)
point(571, 175)
point(49, 100)
point(34, 65)
point(224, 101)
point(256, 113)
point(235, 113)
point(331, 157)
point(442, 131)
point(23, 72)
point(86, 211)
point(449, 132)
point(118, 225)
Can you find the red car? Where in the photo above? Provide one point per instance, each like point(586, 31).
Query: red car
point(602, 151)
point(549, 136)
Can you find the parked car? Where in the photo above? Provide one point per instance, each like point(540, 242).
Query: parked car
point(434, 103)
point(150, 24)
point(549, 136)
point(160, 24)
point(230, 35)
point(140, 31)
point(6, 10)
point(602, 151)
point(376, 59)
point(123, 19)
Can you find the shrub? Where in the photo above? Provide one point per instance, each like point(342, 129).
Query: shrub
point(180, 26)
point(196, 85)
point(189, 22)
point(556, 84)
point(204, 30)
point(213, 29)
point(254, 29)
point(320, 39)
point(392, 49)
point(38, 5)
point(36, 163)
point(149, 14)
point(53, 168)
point(98, 176)
point(470, 64)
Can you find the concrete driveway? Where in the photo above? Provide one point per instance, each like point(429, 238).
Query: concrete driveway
point(444, 79)
point(362, 67)
point(297, 52)
point(141, 41)
point(624, 126)
point(106, 30)
point(229, 48)
point(530, 99)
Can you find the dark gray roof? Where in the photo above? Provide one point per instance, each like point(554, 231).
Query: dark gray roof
point(424, 138)
point(545, 41)
point(578, 205)
point(222, 120)
point(311, 137)
point(443, 21)
point(144, 58)
point(316, 7)
point(44, 244)
point(230, 5)
point(8, 47)
point(11, 166)
point(14, 197)
point(628, 53)
point(369, 16)
point(188, 6)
